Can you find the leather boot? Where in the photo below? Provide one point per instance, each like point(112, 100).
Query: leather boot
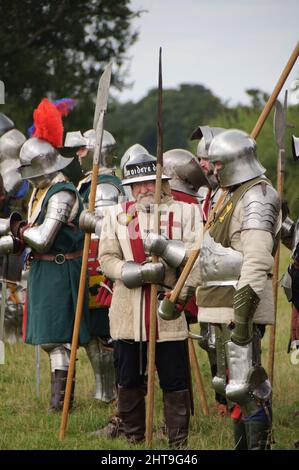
point(177, 416)
point(112, 430)
point(131, 411)
point(258, 435)
point(58, 384)
point(240, 434)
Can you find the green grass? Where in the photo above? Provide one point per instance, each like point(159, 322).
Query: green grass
point(26, 424)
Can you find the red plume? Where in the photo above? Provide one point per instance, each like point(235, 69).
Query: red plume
point(48, 123)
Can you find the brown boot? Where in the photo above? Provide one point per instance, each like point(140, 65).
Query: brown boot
point(58, 384)
point(131, 410)
point(177, 415)
point(112, 430)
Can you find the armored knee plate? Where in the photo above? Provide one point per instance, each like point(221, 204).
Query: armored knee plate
point(219, 380)
point(248, 385)
point(101, 360)
point(59, 355)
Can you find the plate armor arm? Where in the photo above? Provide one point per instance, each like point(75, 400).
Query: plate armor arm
point(136, 275)
point(106, 195)
point(260, 225)
point(173, 252)
point(41, 237)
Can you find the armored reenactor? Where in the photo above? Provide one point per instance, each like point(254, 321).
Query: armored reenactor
point(210, 192)
point(52, 233)
point(235, 292)
point(290, 281)
point(12, 193)
point(126, 245)
point(108, 192)
point(186, 180)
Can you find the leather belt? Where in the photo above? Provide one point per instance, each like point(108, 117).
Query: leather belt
point(60, 258)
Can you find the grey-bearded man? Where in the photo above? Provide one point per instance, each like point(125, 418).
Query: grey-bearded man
point(126, 245)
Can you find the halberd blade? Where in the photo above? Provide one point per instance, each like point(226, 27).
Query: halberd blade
point(103, 93)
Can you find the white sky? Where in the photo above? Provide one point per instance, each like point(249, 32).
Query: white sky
point(226, 45)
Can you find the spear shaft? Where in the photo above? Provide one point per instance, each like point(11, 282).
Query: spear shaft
point(101, 107)
point(154, 287)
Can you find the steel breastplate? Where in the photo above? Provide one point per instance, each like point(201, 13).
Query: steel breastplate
point(219, 266)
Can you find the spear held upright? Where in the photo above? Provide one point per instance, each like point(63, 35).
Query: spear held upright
point(98, 125)
point(154, 287)
point(280, 125)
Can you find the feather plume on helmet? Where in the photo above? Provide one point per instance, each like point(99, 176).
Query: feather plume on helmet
point(39, 155)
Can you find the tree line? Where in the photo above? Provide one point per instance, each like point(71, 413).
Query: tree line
point(58, 48)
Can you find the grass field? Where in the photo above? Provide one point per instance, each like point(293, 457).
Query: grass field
point(26, 424)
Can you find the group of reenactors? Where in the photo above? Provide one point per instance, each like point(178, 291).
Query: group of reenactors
point(219, 200)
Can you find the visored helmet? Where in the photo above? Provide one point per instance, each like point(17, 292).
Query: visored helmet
point(184, 170)
point(236, 150)
point(76, 139)
point(38, 157)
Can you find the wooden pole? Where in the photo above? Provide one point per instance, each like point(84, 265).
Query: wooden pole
point(279, 134)
point(154, 287)
point(268, 106)
point(198, 379)
point(101, 107)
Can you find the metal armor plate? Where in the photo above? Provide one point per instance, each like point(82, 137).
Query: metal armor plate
point(261, 208)
point(219, 266)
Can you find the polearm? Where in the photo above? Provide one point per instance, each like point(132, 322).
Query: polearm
point(280, 125)
point(98, 125)
point(198, 378)
point(268, 106)
point(154, 287)
point(255, 132)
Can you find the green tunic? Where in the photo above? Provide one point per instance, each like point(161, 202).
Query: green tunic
point(53, 288)
point(99, 320)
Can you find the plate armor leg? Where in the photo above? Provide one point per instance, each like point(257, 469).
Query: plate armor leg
point(250, 388)
point(101, 359)
point(219, 380)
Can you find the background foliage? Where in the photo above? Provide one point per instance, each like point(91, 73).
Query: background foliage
point(58, 48)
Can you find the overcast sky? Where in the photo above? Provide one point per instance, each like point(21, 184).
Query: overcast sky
point(226, 45)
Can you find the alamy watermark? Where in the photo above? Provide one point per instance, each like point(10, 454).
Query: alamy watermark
point(294, 355)
point(2, 92)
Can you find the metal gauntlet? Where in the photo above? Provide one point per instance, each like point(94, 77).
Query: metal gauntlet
point(135, 274)
point(10, 245)
point(172, 251)
point(245, 304)
point(88, 221)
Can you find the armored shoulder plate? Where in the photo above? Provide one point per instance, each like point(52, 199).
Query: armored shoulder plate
point(60, 206)
point(106, 195)
point(261, 208)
